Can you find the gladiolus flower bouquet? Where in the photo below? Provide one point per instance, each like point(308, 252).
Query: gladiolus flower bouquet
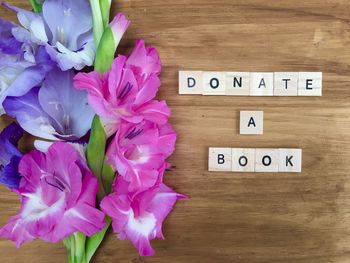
point(102, 139)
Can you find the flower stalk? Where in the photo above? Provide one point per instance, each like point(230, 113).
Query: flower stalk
point(81, 248)
point(37, 7)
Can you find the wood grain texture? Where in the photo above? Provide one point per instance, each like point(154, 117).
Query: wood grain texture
point(233, 217)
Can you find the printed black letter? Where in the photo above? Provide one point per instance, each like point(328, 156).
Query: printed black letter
point(214, 83)
point(286, 80)
point(191, 82)
point(308, 83)
point(268, 162)
point(289, 160)
point(245, 161)
point(221, 159)
point(251, 121)
point(238, 82)
point(262, 83)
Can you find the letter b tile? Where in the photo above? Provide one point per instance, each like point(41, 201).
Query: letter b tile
point(220, 159)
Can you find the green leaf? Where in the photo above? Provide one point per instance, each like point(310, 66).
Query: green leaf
point(97, 21)
point(105, 51)
point(105, 6)
point(93, 242)
point(37, 7)
point(96, 153)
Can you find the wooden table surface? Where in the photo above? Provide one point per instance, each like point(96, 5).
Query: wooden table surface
point(233, 217)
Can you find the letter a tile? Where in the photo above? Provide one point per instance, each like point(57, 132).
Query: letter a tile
point(261, 84)
point(251, 122)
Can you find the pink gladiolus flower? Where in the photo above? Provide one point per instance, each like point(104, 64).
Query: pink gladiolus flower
point(127, 91)
point(139, 217)
point(139, 150)
point(144, 61)
point(58, 195)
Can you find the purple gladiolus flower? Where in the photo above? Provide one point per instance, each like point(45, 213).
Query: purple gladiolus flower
point(58, 197)
point(56, 111)
point(23, 65)
point(65, 30)
point(10, 156)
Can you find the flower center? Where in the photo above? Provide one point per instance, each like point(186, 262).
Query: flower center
point(134, 132)
point(54, 181)
point(125, 91)
point(61, 35)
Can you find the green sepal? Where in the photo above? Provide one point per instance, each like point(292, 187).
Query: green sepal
point(95, 153)
point(105, 51)
point(93, 242)
point(108, 175)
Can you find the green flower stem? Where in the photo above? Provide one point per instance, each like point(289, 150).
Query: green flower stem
point(105, 6)
point(97, 20)
point(79, 239)
point(81, 248)
point(37, 7)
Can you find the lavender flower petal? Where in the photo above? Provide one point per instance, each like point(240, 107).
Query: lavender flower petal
point(10, 155)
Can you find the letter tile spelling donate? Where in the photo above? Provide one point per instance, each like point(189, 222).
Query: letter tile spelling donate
point(243, 160)
point(286, 84)
point(251, 122)
point(261, 84)
point(237, 83)
point(214, 83)
point(190, 82)
point(220, 159)
point(310, 84)
point(251, 83)
point(290, 160)
point(266, 160)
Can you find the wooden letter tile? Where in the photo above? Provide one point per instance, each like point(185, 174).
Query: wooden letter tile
point(261, 84)
point(237, 83)
point(266, 160)
point(290, 160)
point(190, 82)
point(286, 84)
point(220, 159)
point(251, 122)
point(214, 83)
point(243, 160)
point(310, 84)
